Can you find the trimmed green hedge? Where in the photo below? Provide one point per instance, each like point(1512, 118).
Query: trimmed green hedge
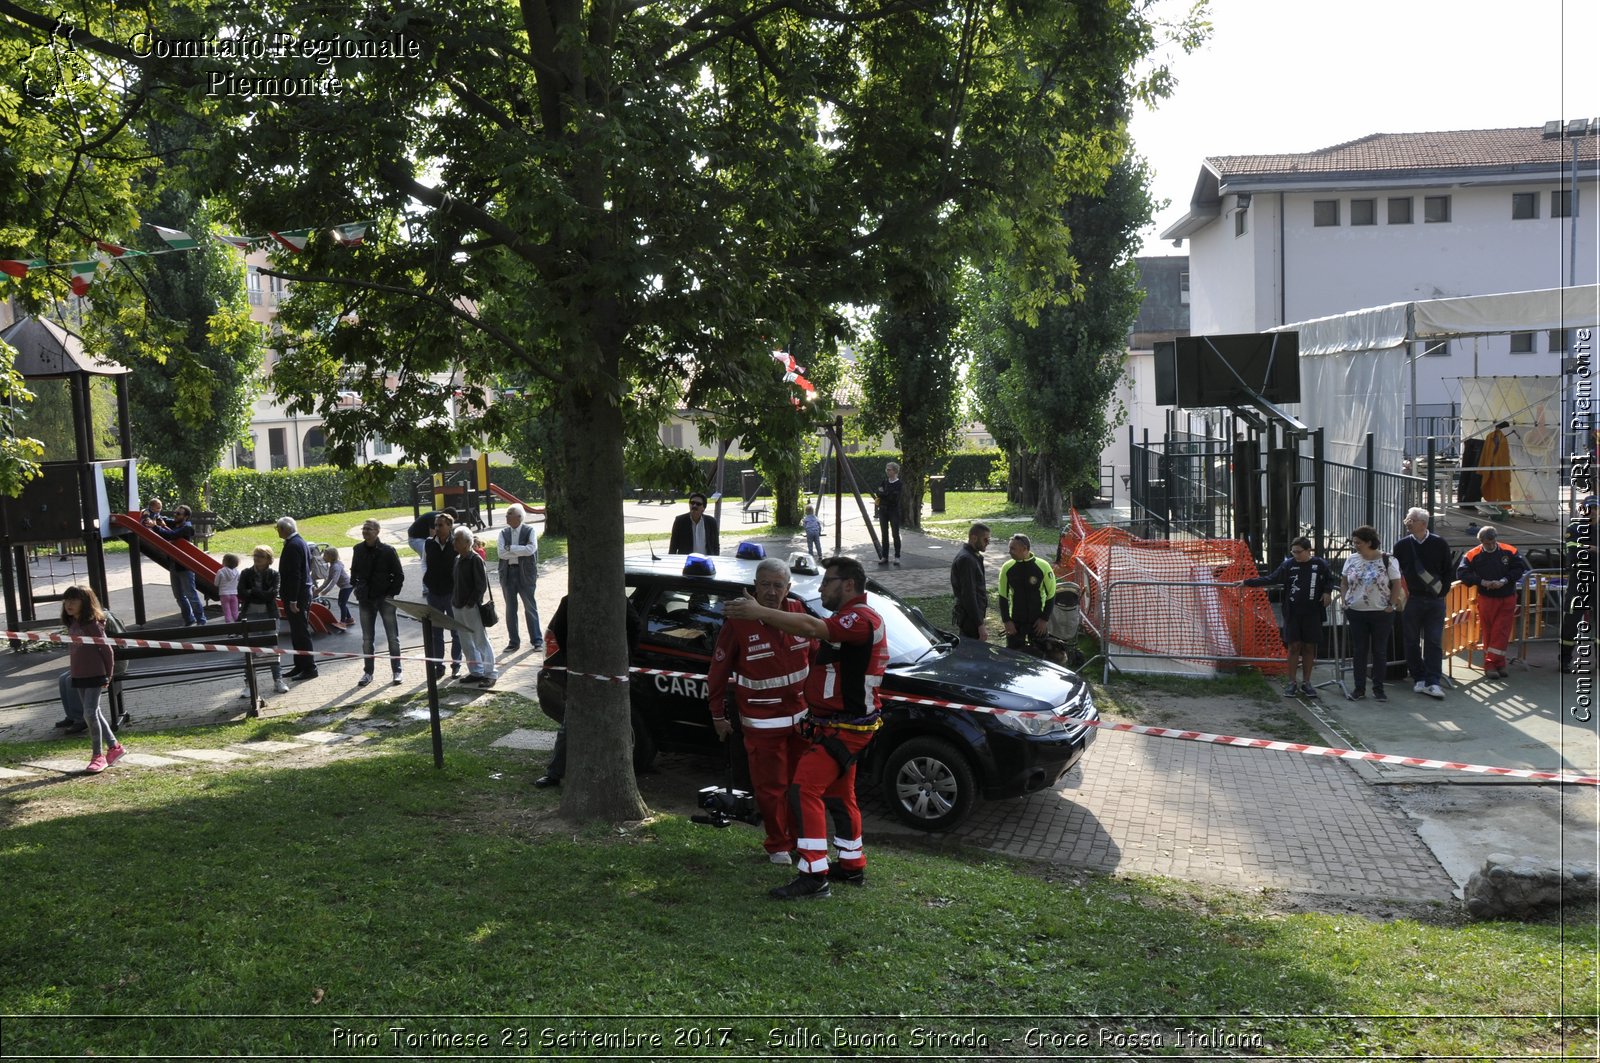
point(967, 470)
point(243, 497)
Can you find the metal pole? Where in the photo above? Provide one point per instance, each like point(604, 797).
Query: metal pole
point(838, 484)
point(1372, 480)
point(1430, 488)
point(1319, 487)
point(433, 693)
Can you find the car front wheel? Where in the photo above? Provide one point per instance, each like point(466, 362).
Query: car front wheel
point(929, 784)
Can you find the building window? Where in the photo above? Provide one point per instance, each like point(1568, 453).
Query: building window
point(1524, 205)
point(1435, 348)
point(1558, 341)
point(1240, 224)
point(381, 447)
point(1363, 212)
point(1325, 212)
point(1561, 203)
point(244, 454)
point(1522, 343)
point(278, 447)
point(1399, 210)
point(253, 283)
point(314, 447)
point(1435, 208)
point(1183, 288)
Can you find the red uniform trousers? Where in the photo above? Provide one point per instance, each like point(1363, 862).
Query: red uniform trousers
point(820, 788)
point(772, 754)
point(1494, 628)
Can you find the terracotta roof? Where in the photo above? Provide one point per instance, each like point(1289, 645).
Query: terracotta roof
point(1391, 152)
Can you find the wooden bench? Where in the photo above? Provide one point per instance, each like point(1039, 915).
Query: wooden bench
point(181, 665)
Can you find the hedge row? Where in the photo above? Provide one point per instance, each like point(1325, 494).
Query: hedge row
point(243, 497)
point(968, 470)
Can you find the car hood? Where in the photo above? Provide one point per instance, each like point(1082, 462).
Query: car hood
point(979, 674)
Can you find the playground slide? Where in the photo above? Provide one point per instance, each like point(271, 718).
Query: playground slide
point(169, 552)
point(506, 496)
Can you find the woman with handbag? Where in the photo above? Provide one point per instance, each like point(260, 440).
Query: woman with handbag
point(473, 614)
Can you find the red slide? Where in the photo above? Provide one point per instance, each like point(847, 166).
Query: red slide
point(506, 496)
point(169, 552)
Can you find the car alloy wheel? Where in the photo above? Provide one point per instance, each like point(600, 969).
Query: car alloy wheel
point(929, 784)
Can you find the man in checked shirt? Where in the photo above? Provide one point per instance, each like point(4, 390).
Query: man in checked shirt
point(768, 670)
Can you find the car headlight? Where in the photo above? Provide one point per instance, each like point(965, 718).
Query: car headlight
point(1034, 725)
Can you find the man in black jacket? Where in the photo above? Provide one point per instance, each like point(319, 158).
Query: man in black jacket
point(889, 494)
point(438, 587)
point(694, 532)
point(376, 574)
point(1424, 559)
point(970, 585)
point(294, 586)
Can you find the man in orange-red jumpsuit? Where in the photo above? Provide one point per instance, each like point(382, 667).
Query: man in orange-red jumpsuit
point(768, 668)
point(842, 696)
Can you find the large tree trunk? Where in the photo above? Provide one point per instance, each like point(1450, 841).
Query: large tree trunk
point(786, 506)
point(599, 784)
point(1047, 509)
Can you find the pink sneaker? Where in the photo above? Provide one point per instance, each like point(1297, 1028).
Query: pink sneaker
point(114, 754)
point(97, 765)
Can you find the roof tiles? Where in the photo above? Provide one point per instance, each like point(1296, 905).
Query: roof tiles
point(1390, 152)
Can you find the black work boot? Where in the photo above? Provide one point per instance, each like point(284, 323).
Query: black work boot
point(848, 876)
point(803, 888)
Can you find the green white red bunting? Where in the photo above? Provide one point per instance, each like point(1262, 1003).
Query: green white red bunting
point(181, 241)
point(83, 273)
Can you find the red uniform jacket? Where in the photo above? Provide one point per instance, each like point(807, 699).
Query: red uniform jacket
point(768, 669)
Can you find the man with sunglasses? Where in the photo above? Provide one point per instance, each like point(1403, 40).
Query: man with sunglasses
point(694, 532)
point(842, 696)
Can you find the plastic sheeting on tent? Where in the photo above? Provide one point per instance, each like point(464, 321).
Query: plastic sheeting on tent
point(1353, 368)
point(1533, 406)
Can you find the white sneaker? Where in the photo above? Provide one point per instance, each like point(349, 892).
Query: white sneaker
point(280, 687)
point(244, 695)
point(1433, 691)
point(1419, 687)
point(780, 858)
point(399, 678)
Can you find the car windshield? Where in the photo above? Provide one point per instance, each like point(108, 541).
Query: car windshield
point(910, 638)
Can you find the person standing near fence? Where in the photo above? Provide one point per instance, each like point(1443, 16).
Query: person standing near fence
point(889, 494)
point(258, 598)
point(1424, 559)
point(1496, 569)
point(438, 587)
point(471, 584)
point(1307, 583)
point(1027, 594)
point(969, 584)
point(1373, 593)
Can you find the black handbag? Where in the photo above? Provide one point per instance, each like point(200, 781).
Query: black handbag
point(486, 610)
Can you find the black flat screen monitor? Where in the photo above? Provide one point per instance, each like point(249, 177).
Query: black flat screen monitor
point(1222, 370)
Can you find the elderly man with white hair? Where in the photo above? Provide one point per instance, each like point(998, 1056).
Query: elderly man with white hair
point(1424, 559)
point(294, 587)
point(472, 583)
point(519, 577)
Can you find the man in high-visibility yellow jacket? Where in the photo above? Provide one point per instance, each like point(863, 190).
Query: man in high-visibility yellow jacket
point(1027, 595)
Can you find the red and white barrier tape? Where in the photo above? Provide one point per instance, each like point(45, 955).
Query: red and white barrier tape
point(1129, 728)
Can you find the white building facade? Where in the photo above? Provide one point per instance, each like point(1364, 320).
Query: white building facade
point(1389, 218)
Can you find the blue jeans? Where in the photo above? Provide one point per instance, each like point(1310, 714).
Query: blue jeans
point(441, 602)
point(189, 601)
point(70, 702)
point(391, 628)
point(814, 546)
point(520, 581)
point(1369, 642)
point(1423, 628)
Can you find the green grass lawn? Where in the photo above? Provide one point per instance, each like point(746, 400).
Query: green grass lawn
point(264, 908)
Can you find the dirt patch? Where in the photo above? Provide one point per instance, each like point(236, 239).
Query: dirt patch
point(1225, 712)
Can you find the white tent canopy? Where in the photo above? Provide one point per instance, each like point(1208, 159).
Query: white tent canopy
point(1353, 367)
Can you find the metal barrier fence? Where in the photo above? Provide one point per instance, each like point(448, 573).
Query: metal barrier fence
point(1353, 496)
point(1101, 625)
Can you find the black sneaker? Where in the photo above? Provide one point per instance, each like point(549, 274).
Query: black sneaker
point(1379, 695)
point(62, 725)
point(1358, 695)
point(803, 888)
point(857, 877)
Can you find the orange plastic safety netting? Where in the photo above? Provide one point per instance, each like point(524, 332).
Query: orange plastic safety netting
point(1169, 599)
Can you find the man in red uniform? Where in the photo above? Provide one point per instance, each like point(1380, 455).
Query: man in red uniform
point(768, 668)
point(843, 701)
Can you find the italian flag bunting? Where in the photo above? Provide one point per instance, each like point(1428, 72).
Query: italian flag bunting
point(19, 267)
point(350, 235)
point(83, 275)
point(182, 241)
point(238, 243)
point(294, 239)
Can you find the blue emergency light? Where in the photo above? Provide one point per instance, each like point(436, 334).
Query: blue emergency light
point(699, 565)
